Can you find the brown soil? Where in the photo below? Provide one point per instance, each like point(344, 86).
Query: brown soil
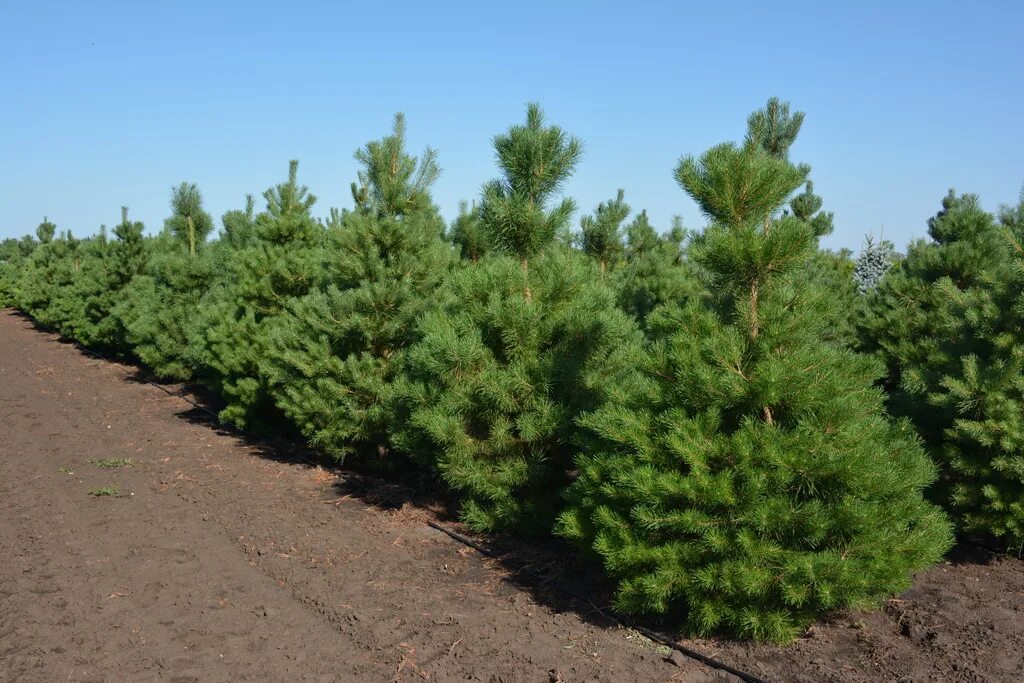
point(226, 559)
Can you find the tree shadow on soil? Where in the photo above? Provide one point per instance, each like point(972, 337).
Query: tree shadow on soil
point(552, 573)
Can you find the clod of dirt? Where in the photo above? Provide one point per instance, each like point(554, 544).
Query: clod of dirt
point(677, 658)
point(262, 611)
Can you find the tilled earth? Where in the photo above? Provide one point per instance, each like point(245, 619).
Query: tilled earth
point(221, 558)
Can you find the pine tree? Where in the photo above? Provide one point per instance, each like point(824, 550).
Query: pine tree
point(536, 161)
point(102, 270)
point(44, 277)
point(188, 222)
point(334, 353)
point(748, 480)
point(158, 305)
point(947, 321)
point(13, 254)
point(521, 344)
point(393, 183)
point(832, 273)
point(259, 275)
point(45, 231)
point(655, 270)
point(239, 226)
point(468, 233)
point(601, 233)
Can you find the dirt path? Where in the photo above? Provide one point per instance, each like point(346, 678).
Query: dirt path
point(220, 561)
point(215, 563)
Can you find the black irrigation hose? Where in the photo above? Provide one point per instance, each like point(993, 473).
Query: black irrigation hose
point(465, 540)
point(653, 635)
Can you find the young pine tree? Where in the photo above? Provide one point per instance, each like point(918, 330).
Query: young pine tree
point(45, 231)
point(103, 270)
point(601, 232)
point(469, 234)
point(158, 305)
point(45, 275)
point(523, 342)
point(258, 276)
point(655, 271)
point(334, 352)
point(239, 226)
point(13, 255)
point(947, 321)
point(189, 223)
point(749, 481)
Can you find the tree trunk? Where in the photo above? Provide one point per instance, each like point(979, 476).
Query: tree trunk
point(527, 294)
point(191, 236)
point(755, 326)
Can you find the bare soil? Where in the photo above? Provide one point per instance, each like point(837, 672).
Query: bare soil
point(225, 558)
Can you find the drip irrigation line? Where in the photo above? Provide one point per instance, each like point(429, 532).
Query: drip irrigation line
point(746, 676)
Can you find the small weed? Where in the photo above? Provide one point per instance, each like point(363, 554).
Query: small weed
point(105, 491)
point(111, 463)
point(66, 470)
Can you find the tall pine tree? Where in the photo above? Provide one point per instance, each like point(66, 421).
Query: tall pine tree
point(748, 480)
point(276, 259)
point(157, 307)
point(522, 343)
point(334, 353)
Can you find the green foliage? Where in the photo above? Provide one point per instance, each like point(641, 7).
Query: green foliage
point(947, 322)
point(806, 207)
point(832, 274)
point(536, 161)
point(188, 222)
point(601, 233)
point(515, 351)
point(774, 129)
point(45, 231)
point(468, 232)
point(239, 226)
point(748, 480)
point(494, 387)
point(392, 182)
point(333, 353)
point(164, 297)
point(13, 255)
point(45, 276)
point(107, 269)
point(106, 491)
point(73, 285)
point(740, 187)
point(655, 271)
point(276, 259)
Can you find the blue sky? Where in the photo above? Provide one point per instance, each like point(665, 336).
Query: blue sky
point(111, 103)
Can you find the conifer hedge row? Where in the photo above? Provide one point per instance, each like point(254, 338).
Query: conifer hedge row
point(744, 429)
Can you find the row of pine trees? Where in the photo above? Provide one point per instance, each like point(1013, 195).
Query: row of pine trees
point(744, 429)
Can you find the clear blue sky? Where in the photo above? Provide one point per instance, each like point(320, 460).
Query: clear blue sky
point(109, 103)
